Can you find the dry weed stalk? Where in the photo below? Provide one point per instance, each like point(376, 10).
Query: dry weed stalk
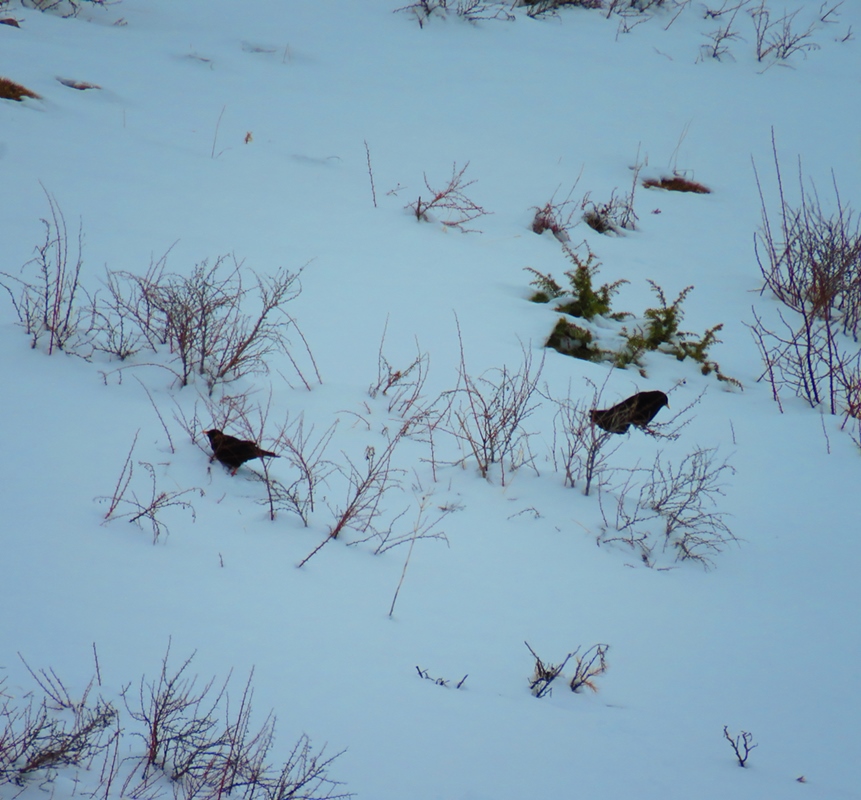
point(423, 528)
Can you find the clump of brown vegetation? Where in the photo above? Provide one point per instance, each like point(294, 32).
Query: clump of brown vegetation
point(676, 183)
point(9, 90)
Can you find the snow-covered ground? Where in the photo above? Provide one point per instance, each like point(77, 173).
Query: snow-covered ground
point(293, 134)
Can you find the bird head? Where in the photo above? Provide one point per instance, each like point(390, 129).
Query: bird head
point(213, 435)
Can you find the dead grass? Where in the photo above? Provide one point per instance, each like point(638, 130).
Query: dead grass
point(9, 90)
point(676, 183)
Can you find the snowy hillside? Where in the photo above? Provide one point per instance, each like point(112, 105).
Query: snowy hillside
point(311, 225)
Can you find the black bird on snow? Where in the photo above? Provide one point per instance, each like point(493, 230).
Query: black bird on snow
point(234, 452)
point(639, 409)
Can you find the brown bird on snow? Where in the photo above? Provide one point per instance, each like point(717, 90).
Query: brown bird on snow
point(639, 409)
point(234, 452)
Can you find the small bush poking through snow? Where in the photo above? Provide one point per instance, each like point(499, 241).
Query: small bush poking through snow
point(589, 666)
point(658, 332)
point(450, 200)
point(585, 300)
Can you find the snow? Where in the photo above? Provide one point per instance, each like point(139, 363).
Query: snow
point(766, 641)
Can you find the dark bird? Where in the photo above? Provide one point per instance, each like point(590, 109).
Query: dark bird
point(639, 410)
point(234, 452)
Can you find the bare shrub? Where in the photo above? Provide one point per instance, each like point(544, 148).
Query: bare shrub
point(66, 8)
point(556, 216)
point(589, 666)
point(488, 422)
point(811, 261)
point(617, 214)
point(147, 506)
point(47, 303)
point(451, 201)
point(470, 10)
point(718, 44)
point(40, 736)
point(810, 258)
point(208, 331)
point(208, 747)
point(178, 719)
point(540, 684)
point(719, 39)
point(780, 38)
point(674, 508)
point(741, 745)
point(580, 447)
point(540, 8)
point(117, 320)
point(124, 317)
point(808, 358)
point(424, 526)
point(197, 742)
